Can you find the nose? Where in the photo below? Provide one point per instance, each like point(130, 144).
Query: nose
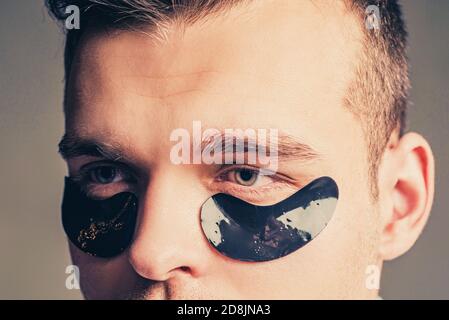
point(168, 241)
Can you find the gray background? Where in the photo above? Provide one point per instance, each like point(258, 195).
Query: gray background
point(33, 250)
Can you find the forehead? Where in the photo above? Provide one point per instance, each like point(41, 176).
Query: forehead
point(292, 60)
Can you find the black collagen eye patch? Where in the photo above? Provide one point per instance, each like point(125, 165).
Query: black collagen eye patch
point(237, 229)
point(246, 232)
point(102, 228)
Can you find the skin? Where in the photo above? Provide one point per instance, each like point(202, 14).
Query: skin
point(281, 65)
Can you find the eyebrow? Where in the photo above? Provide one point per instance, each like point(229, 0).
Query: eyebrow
point(73, 146)
point(288, 147)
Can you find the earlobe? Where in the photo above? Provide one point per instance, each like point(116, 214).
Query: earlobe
point(411, 196)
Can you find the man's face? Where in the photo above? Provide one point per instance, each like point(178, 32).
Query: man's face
point(283, 65)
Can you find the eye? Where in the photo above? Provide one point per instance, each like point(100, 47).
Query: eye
point(254, 185)
point(245, 177)
point(105, 174)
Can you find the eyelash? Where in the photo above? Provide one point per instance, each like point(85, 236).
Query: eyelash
point(220, 184)
point(90, 188)
point(279, 182)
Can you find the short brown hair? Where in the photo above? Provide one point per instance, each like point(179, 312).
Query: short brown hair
point(377, 95)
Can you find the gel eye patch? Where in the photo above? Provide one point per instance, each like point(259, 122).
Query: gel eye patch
point(235, 228)
point(247, 232)
point(102, 228)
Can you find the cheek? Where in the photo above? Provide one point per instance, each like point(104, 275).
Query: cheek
point(331, 266)
point(349, 245)
point(98, 277)
point(303, 274)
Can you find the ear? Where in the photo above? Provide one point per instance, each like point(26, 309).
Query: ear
point(406, 188)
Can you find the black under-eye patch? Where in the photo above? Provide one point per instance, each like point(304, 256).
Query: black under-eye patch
point(102, 228)
point(246, 232)
point(237, 229)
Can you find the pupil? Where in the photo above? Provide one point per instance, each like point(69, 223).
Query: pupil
point(246, 175)
point(105, 174)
